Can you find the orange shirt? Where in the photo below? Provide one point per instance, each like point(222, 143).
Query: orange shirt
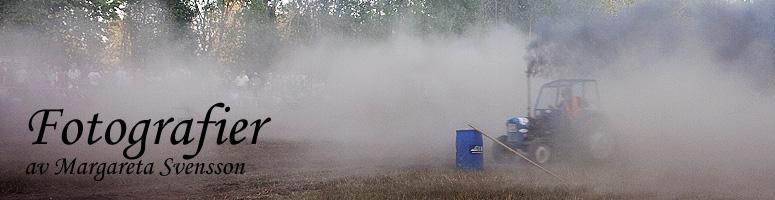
point(572, 107)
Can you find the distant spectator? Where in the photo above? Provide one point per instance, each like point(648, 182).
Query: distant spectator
point(94, 77)
point(138, 75)
point(72, 76)
point(255, 81)
point(51, 77)
point(21, 77)
point(242, 80)
point(61, 77)
point(121, 76)
point(120, 73)
point(3, 72)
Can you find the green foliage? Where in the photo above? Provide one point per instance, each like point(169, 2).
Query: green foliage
point(249, 33)
point(77, 26)
point(179, 14)
point(450, 16)
point(155, 31)
point(40, 13)
point(261, 36)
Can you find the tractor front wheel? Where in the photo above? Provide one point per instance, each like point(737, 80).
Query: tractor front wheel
point(500, 153)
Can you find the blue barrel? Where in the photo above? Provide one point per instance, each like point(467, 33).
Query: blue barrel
point(469, 150)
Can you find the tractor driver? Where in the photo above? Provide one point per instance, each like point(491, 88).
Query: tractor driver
point(573, 105)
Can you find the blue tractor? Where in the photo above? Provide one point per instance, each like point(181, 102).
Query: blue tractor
point(567, 121)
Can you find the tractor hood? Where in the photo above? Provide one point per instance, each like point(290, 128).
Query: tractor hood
point(516, 129)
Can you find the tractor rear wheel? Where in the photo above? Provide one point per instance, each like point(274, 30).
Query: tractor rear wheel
point(601, 145)
point(599, 142)
point(540, 152)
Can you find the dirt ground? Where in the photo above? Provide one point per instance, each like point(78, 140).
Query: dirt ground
point(280, 169)
point(296, 168)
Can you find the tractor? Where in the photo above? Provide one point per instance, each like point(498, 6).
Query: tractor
point(567, 121)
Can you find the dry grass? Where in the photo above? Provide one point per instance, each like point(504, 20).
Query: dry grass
point(283, 170)
point(415, 183)
point(428, 184)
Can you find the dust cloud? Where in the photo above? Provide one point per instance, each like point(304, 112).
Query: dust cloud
point(398, 102)
point(687, 86)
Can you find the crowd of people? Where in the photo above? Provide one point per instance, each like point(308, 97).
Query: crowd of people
point(275, 87)
point(73, 82)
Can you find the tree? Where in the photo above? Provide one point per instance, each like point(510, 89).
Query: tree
point(157, 30)
point(448, 16)
point(75, 27)
point(236, 33)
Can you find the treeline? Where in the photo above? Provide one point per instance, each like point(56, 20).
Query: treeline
point(246, 34)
